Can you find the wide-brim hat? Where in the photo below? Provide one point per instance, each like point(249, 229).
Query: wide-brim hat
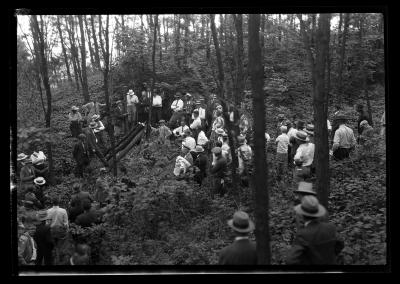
point(309, 129)
point(92, 124)
point(241, 139)
point(74, 108)
point(310, 207)
point(199, 149)
point(216, 150)
point(187, 94)
point(302, 136)
point(305, 188)
point(95, 116)
point(241, 222)
point(364, 122)
point(341, 116)
point(130, 92)
point(22, 157)
point(39, 181)
point(161, 121)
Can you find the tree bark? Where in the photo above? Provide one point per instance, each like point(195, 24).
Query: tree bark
point(38, 34)
point(85, 87)
point(153, 59)
point(106, 72)
point(262, 38)
point(342, 56)
point(96, 45)
point(73, 57)
point(91, 51)
point(177, 40)
point(239, 59)
point(260, 177)
point(64, 49)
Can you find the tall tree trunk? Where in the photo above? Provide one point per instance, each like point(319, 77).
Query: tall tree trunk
point(208, 40)
point(342, 56)
point(153, 59)
point(279, 28)
point(91, 52)
point(239, 59)
point(73, 56)
point(85, 87)
point(262, 40)
point(234, 164)
point(105, 48)
point(159, 41)
point(177, 39)
point(186, 38)
point(260, 176)
point(96, 45)
point(64, 49)
point(38, 35)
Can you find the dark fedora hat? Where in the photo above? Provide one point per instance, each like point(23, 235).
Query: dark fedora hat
point(301, 136)
point(310, 207)
point(241, 222)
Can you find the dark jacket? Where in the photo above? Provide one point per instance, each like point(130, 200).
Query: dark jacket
point(91, 139)
point(314, 244)
point(201, 162)
point(362, 116)
point(79, 197)
point(81, 153)
point(87, 219)
point(219, 169)
point(27, 174)
point(241, 252)
point(74, 211)
point(118, 116)
point(43, 238)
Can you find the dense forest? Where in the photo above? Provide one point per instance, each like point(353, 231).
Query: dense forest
point(308, 65)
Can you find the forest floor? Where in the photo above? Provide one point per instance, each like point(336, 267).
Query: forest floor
point(161, 220)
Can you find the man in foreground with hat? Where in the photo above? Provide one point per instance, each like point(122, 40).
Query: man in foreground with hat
point(316, 243)
point(43, 240)
point(131, 102)
point(304, 156)
point(177, 108)
point(218, 171)
point(344, 139)
point(242, 251)
point(75, 119)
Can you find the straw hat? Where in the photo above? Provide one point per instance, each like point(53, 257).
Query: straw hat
point(21, 157)
point(310, 207)
point(310, 129)
point(283, 128)
point(39, 181)
point(219, 131)
point(130, 92)
point(216, 150)
point(301, 136)
point(241, 222)
point(74, 108)
point(95, 116)
point(305, 188)
point(199, 149)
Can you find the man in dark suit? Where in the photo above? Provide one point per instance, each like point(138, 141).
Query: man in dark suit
point(316, 243)
point(79, 196)
point(43, 240)
point(92, 142)
point(81, 154)
point(242, 251)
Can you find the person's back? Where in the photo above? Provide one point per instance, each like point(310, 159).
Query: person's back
point(241, 252)
point(314, 244)
point(87, 218)
point(344, 136)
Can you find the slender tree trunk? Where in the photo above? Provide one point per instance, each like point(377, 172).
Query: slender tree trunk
point(262, 40)
point(91, 52)
point(159, 41)
point(96, 46)
point(73, 57)
point(177, 40)
point(342, 56)
point(38, 34)
point(239, 62)
point(85, 87)
point(64, 49)
point(153, 59)
point(208, 41)
point(260, 177)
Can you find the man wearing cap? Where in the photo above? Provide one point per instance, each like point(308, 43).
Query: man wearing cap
point(344, 139)
point(27, 173)
point(131, 102)
point(75, 119)
point(282, 143)
point(317, 242)
point(157, 107)
point(27, 247)
point(163, 131)
point(188, 140)
point(367, 132)
point(81, 154)
point(218, 171)
point(43, 240)
point(177, 108)
point(201, 163)
point(242, 251)
point(304, 156)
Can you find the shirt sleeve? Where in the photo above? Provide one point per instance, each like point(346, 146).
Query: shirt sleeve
point(180, 105)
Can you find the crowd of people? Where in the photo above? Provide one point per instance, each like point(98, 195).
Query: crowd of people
point(199, 127)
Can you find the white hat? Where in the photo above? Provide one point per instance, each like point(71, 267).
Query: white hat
point(283, 128)
point(21, 157)
point(130, 92)
point(39, 181)
point(95, 116)
point(310, 207)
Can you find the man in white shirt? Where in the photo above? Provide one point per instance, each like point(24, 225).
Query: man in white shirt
point(177, 108)
point(202, 139)
point(131, 101)
point(282, 142)
point(157, 107)
point(343, 140)
point(196, 124)
point(58, 221)
point(179, 131)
